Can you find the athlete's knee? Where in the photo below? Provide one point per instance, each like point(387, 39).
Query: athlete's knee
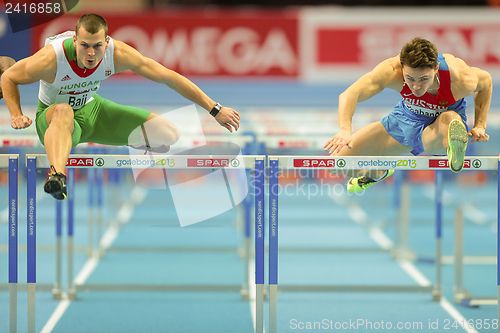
point(448, 116)
point(62, 114)
point(173, 132)
point(164, 128)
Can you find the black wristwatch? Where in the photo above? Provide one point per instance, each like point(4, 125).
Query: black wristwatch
point(215, 110)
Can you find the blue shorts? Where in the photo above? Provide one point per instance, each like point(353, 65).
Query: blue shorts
point(407, 127)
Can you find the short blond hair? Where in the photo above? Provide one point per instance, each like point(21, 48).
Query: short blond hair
point(92, 23)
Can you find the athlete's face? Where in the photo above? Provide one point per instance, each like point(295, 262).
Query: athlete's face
point(419, 80)
point(89, 47)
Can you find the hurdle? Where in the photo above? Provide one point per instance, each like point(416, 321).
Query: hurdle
point(187, 141)
point(277, 163)
point(95, 200)
point(184, 162)
point(11, 162)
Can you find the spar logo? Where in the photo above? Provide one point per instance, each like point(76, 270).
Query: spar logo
point(80, 162)
point(208, 162)
point(443, 164)
point(316, 163)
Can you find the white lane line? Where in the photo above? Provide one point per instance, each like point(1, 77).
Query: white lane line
point(357, 214)
point(474, 214)
point(412, 271)
point(88, 268)
point(56, 315)
point(86, 271)
point(380, 238)
point(457, 316)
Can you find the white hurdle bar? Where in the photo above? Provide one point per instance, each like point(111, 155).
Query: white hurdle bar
point(168, 162)
point(342, 163)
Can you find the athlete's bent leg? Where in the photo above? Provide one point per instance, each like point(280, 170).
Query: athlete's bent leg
point(57, 139)
point(371, 140)
point(447, 134)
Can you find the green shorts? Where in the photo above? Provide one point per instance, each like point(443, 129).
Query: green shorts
point(100, 121)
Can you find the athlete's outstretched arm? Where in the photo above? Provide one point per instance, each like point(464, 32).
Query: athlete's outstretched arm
point(128, 58)
point(482, 101)
point(39, 66)
point(370, 84)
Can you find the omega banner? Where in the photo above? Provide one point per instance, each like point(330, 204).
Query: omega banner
point(205, 43)
point(312, 44)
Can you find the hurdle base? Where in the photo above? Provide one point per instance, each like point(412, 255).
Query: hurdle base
point(436, 295)
point(475, 302)
point(71, 295)
point(245, 293)
point(24, 287)
point(157, 288)
point(357, 288)
point(403, 253)
point(57, 293)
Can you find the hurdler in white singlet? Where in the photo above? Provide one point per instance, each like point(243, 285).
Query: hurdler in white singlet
point(73, 85)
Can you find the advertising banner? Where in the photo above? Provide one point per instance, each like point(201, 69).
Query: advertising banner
point(205, 43)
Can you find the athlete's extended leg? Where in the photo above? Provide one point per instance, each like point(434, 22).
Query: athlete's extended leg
point(57, 141)
point(119, 125)
point(447, 134)
point(371, 140)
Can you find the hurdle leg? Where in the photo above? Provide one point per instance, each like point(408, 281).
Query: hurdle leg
point(259, 245)
point(99, 210)
point(247, 246)
point(31, 242)
point(437, 293)
point(56, 291)
point(273, 246)
point(90, 244)
point(403, 251)
point(459, 292)
point(13, 243)
point(71, 247)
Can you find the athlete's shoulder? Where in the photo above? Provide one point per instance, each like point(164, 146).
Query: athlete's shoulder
point(42, 64)
point(463, 76)
point(396, 67)
point(121, 48)
point(61, 36)
point(126, 57)
point(389, 72)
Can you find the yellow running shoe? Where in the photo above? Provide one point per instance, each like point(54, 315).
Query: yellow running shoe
point(359, 184)
point(457, 144)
